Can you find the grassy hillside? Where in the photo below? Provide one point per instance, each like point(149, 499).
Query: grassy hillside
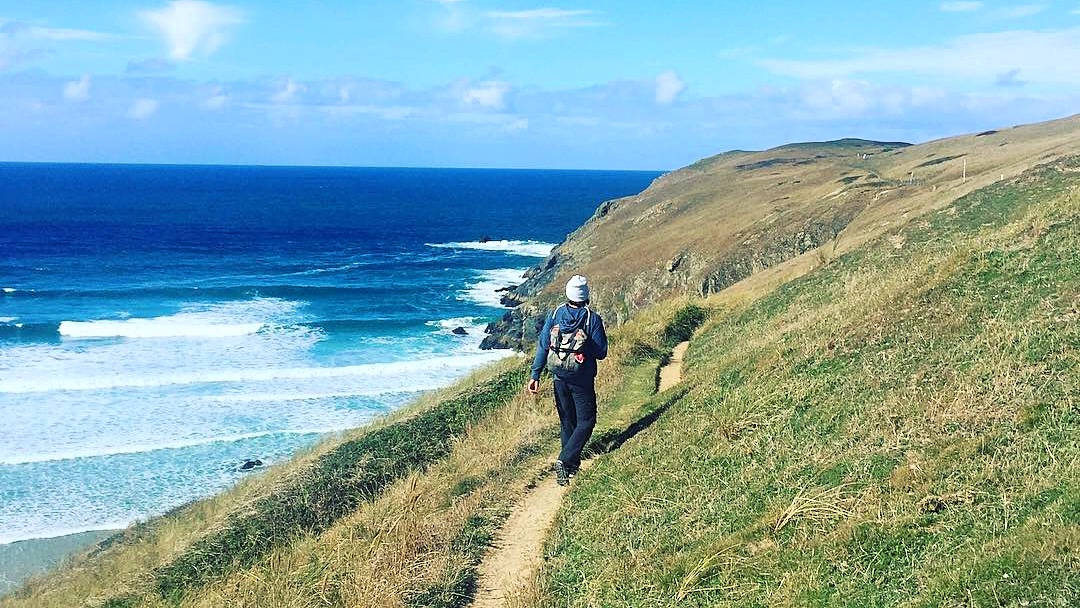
point(700, 229)
point(900, 427)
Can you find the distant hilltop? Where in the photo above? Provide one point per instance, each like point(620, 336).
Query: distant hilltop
point(702, 228)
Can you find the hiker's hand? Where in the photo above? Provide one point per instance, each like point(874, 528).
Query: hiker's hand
point(534, 386)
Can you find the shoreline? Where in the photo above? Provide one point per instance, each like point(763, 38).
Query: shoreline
point(22, 559)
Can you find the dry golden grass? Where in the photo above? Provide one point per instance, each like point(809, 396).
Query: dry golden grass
point(898, 429)
point(718, 209)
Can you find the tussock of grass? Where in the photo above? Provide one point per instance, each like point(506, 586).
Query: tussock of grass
point(897, 428)
point(687, 319)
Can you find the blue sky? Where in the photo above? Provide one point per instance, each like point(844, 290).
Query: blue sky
point(530, 83)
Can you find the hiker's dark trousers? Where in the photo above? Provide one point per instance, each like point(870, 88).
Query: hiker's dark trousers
point(577, 417)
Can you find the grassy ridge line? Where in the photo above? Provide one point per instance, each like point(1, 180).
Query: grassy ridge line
point(898, 428)
point(352, 472)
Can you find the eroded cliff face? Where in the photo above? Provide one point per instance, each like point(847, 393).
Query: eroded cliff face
point(704, 228)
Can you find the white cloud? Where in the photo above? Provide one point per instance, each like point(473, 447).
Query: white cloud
point(385, 112)
point(193, 26)
point(1049, 57)
point(12, 58)
point(154, 65)
point(961, 6)
point(59, 34)
point(215, 102)
point(668, 87)
point(142, 108)
point(287, 92)
point(62, 34)
point(78, 90)
point(538, 22)
point(488, 94)
point(538, 14)
point(510, 123)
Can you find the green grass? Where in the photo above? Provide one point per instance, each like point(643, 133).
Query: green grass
point(900, 427)
point(349, 474)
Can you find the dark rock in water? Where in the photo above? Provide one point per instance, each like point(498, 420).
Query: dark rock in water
point(507, 288)
point(485, 239)
point(251, 464)
point(460, 331)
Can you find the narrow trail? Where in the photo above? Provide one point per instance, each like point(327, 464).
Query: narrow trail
point(509, 568)
point(671, 374)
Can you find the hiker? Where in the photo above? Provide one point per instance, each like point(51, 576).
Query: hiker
point(572, 341)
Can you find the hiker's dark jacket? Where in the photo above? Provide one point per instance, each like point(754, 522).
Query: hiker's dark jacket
point(569, 320)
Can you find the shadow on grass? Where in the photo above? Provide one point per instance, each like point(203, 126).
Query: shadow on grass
point(612, 439)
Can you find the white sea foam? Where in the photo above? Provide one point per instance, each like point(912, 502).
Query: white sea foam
point(446, 366)
point(329, 269)
point(10, 290)
point(162, 327)
point(451, 324)
point(535, 249)
point(154, 447)
point(8, 319)
point(224, 320)
point(485, 291)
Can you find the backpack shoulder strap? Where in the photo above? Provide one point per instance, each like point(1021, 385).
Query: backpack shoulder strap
point(554, 312)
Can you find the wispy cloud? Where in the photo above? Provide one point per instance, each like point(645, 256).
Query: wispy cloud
point(142, 109)
point(961, 6)
point(78, 90)
point(59, 34)
point(1049, 57)
point(154, 65)
point(384, 112)
point(535, 23)
point(540, 14)
point(1010, 79)
point(192, 27)
point(15, 58)
point(217, 101)
point(539, 22)
point(287, 92)
point(668, 87)
point(488, 94)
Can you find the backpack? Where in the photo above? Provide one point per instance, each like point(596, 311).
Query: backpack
point(565, 353)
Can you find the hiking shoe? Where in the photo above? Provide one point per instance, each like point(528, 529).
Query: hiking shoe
point(562, 475)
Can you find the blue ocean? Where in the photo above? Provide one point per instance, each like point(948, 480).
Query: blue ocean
point(160, 325)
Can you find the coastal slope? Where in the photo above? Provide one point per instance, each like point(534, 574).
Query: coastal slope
point(703, 228)
point(887, 418)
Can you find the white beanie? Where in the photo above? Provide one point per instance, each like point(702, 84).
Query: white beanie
point(577, 289)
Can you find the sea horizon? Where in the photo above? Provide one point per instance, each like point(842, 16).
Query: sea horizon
point(658, 172)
